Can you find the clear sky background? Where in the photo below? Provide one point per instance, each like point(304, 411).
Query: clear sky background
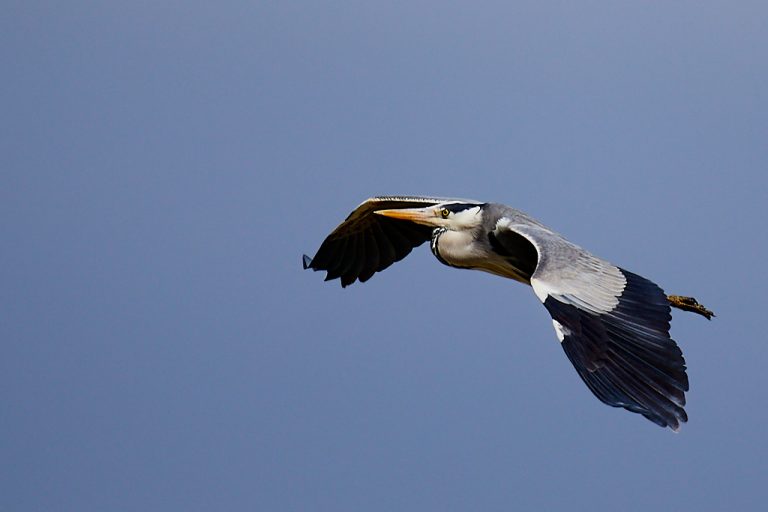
point(163, 166)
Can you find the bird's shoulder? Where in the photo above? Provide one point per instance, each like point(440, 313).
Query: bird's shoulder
point(565, 269)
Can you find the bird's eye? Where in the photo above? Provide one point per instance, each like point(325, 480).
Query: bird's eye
point(444, 213)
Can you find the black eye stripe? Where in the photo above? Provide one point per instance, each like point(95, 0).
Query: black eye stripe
point(459, 207)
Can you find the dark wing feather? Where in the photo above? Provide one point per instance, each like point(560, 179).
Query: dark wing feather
point(371, 257)
point(366, 243)
point(613, 324)
point(626, 356)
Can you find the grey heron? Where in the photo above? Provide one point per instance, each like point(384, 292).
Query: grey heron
point(612, 324)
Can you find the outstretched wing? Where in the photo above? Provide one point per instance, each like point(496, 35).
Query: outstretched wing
point(366, 243)
point(612, 324)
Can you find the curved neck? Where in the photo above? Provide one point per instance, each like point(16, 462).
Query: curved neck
point(460, 249)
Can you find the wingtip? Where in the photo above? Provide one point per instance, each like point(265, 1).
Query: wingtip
point(306, 262)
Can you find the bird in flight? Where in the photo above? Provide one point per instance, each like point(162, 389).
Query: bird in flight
point(612, 324)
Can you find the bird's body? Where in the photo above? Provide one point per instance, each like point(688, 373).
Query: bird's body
point(612, 324)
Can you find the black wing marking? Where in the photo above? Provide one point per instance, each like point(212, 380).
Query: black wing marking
point(516, 249)
point(626, 356)
point(366, 243)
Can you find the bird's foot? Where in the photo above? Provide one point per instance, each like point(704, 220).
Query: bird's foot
point(689, 304)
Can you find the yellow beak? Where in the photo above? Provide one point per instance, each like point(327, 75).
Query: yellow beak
point(425, 216)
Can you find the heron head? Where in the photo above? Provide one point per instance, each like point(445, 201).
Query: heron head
point(453, 215)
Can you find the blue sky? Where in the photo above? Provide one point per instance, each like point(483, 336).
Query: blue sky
point(165, 164)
